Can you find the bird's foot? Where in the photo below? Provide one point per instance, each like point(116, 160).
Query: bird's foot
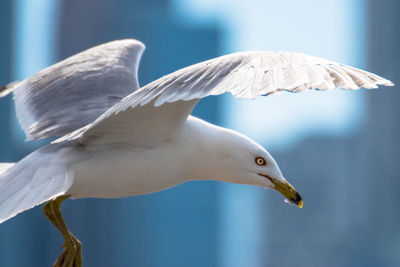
point(61, 260)
point(71, 255)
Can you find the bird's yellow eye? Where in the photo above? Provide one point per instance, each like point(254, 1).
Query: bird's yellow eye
point(260, 161)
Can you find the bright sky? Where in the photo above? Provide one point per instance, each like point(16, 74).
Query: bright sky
point(35, 25)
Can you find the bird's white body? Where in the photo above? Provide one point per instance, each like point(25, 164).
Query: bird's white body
point(114, 172)
point(126, 170)
point(119, 139)
point(104, 171)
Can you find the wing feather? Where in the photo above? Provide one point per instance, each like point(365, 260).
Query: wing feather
point(75, 91)
point(244, 75)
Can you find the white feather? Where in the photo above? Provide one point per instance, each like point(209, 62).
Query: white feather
point(75, 91)
point(39, 177)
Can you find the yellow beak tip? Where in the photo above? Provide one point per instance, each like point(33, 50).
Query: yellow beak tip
point(300, 205)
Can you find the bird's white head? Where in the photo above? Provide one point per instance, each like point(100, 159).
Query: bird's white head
point(237, 159)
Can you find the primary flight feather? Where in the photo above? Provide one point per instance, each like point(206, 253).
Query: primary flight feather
point(118, 139)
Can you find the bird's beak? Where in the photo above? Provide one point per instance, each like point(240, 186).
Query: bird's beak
point(287, 190)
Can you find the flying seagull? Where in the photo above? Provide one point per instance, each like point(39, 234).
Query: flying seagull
point(118, 139)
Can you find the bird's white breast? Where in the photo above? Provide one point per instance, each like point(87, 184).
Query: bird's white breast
point(125, 171)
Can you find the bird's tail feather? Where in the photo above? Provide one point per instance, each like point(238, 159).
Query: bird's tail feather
point(37, 178)
point(7, 89)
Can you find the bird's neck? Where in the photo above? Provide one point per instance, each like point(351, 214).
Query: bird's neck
point(209, 150)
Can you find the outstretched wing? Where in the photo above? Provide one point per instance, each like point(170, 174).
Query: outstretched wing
point(250, 74)
point(245, 75)
point(75, 91)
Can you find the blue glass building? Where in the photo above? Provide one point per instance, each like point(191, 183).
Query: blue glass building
point(349, 182)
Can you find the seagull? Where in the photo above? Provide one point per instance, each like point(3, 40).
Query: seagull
point(117, 139)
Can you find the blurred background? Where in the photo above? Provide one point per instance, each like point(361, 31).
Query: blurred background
point(339, 149)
